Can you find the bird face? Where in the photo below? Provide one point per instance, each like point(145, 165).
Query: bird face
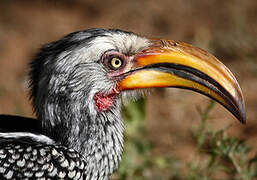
point(92, 69)
point(78, 81)
point(139, 63)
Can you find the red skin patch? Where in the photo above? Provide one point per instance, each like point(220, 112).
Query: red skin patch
point(104, 101)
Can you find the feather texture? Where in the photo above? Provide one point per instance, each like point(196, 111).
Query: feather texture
point(70, 139)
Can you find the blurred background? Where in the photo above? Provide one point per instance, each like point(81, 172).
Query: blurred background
point(161, 137)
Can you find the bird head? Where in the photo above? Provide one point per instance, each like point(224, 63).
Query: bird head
point(88, 71)
point(77, 84)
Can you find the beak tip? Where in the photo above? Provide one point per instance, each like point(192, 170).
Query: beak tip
point(243, 117)
point(241, 113)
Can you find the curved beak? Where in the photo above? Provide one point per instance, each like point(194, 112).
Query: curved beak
point(168, 63)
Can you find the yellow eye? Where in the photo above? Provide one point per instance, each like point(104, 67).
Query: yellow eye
point(116, 63)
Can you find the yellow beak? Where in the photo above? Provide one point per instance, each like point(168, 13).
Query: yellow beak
point(168, 63)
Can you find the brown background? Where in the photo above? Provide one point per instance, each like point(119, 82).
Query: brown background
point(228, 29)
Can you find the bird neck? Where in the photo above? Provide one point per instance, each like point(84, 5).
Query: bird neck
point(99, 138)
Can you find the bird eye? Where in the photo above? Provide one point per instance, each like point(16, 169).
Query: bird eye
point(116, 63)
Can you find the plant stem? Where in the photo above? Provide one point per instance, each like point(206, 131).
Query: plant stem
point(238, 168)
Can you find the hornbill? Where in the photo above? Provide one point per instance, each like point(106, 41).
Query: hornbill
point(77, 85)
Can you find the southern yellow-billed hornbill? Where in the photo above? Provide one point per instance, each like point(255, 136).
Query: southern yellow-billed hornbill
point(76, 86)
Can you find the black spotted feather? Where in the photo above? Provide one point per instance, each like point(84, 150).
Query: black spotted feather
point(20, 160)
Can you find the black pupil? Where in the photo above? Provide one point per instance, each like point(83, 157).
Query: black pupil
point(117, 62)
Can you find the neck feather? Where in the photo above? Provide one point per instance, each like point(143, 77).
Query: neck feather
point(99, 137)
